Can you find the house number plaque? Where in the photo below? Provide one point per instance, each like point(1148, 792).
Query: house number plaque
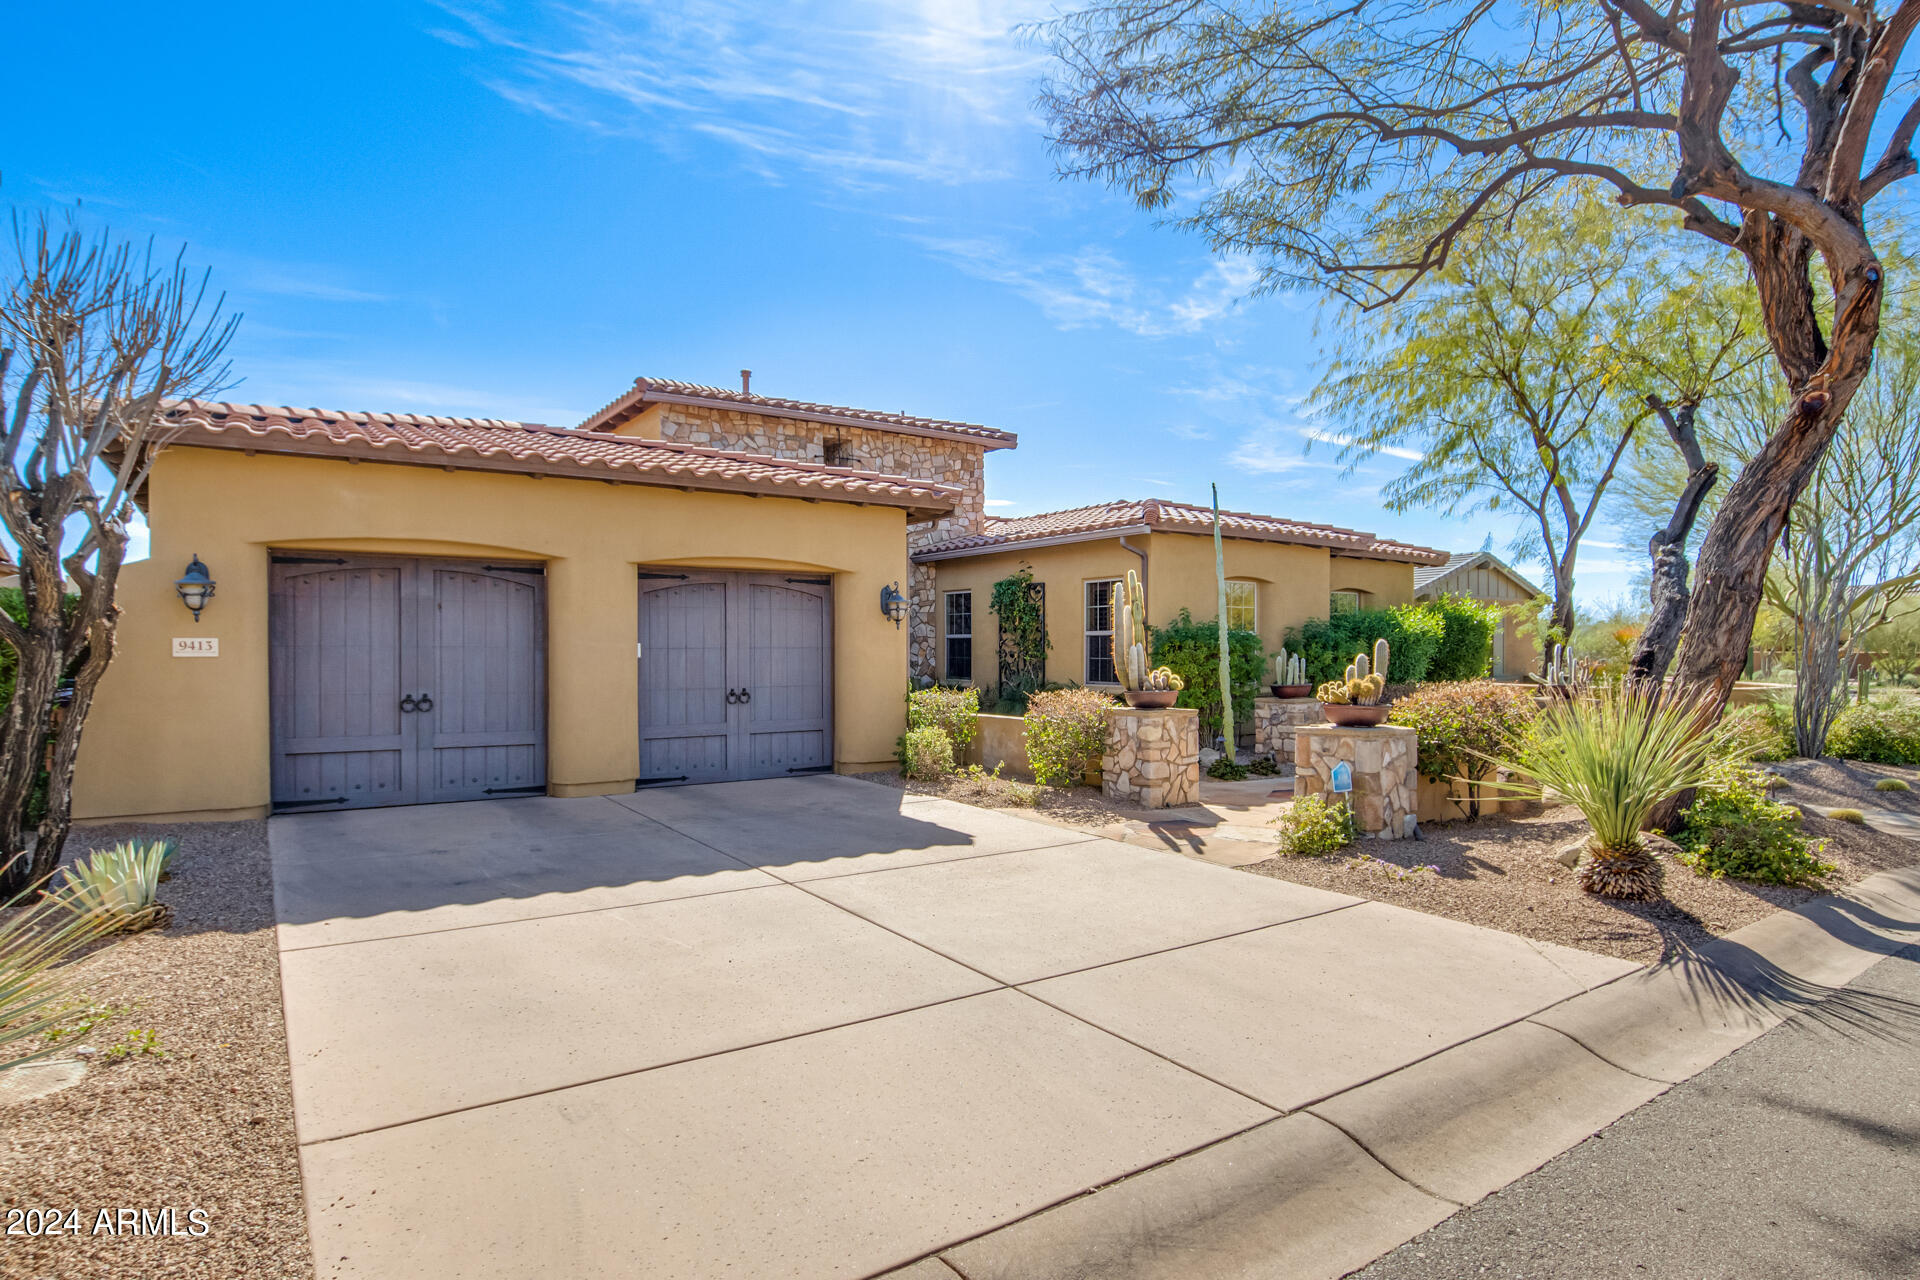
point(196, 646)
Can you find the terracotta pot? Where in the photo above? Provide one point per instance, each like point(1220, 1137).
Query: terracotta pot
point(1151, 697)
point(1290, 690)
point(1348, 714)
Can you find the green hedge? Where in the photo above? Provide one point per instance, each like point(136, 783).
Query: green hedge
point(1878, 733)
point(1415, 632)
point(1192, 650)
point(1466, 649)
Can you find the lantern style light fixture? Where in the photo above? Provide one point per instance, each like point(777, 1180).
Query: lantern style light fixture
point(195, 587)
point(893, 604)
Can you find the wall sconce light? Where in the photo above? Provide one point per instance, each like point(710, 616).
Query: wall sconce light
point(893, 604)
point(196, 587)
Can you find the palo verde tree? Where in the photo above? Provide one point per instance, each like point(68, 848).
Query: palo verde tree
point(95, 339)
point(1505, 372)
point(1350, 144)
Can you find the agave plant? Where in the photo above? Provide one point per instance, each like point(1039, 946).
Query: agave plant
point(36, 939)
point(1617, 757)
point(120, 885)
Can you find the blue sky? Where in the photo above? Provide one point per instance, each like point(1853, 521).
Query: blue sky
point(513, 210)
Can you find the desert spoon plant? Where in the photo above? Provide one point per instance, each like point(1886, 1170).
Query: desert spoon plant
point(1616, 757)
point(37, 939)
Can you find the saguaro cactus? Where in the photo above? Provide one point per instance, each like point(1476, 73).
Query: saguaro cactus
point(1130, 634)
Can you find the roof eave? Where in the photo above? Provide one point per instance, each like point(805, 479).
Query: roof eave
point(638, 399)
point(194, 435)
point(1021, 544)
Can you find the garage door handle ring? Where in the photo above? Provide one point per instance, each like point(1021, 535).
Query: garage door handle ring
point(426, 703)
point(408, 704)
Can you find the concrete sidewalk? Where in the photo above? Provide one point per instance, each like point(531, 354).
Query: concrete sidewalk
point(818, 1028)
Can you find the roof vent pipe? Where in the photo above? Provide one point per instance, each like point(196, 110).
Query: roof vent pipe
point(746, 379)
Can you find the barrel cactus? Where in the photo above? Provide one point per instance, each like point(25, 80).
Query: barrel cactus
point(1362, 685)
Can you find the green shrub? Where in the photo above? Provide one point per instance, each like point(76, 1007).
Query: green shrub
point(1066, 734)
point(1228, 770)
point(1766, 728)
point(1466, 645)
point(957, 711)
point(1879, 733)
point(1854, 816)
point(1462, 725)
point(1734, 828)
point(928, 753)
point(1892, 784)
point(1314, 826)
point(1192, 651)
point(120, 886)
point(1415, 632)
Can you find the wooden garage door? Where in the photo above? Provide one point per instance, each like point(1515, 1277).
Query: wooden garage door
point(405, 681)
point(734, 675)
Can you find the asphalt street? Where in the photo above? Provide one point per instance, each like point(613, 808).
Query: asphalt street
point(1797, 1156)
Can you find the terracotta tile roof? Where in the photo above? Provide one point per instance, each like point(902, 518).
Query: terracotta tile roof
point(1152, 515)
point(650, 391)
point(493, 444)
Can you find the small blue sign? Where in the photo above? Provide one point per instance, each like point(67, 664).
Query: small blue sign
point(1342, 777)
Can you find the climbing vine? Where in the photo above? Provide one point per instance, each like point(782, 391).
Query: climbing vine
point(1020, 604)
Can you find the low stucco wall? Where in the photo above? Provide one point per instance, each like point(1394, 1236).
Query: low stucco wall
point(1001, 740)
point(172, 737)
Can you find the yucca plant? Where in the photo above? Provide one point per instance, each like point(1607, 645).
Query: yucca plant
point(36, 939)
point(1617, 757)
point(120, 885)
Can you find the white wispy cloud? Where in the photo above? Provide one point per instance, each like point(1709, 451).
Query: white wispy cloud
point(864, 92)
point(1321, 435)
point(1093, 286)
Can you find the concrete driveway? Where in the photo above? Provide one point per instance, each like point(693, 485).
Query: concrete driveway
point(818, 1028)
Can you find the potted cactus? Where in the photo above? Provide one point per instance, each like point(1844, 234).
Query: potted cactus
point(1143, 687)
point(1290, 675)
point(1355, 698)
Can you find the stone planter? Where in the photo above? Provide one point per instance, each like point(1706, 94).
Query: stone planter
point(1152, 757)
point(1385, 796)
point(1345, 713)
point(1152, 697)
point(1275, 719)
point(1290, 690)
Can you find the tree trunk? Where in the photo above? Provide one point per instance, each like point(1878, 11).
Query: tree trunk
point(1653, 651)
point(23, 739)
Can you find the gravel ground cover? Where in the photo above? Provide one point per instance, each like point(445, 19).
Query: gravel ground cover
point(1841, 784)
point(1500, 872)
point(209, 1126)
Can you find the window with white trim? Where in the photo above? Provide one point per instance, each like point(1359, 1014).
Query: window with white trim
point(959, 635)
point(1100, 669)
point(1242, 613)
point(1343, 602)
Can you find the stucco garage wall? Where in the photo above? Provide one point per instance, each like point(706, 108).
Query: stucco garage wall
point(192, 735)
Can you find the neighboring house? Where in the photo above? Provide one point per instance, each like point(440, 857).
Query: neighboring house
point(952, 453)
point(1483, 576)
point(413, 609)
point(1280, 574)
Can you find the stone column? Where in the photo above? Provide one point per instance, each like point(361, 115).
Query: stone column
point(1153, 756)
point(1385, 799)
point(1275, 719)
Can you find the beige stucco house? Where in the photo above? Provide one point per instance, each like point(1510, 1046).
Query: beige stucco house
point(1483, 576)
point(686, 586)
point(1280, 574)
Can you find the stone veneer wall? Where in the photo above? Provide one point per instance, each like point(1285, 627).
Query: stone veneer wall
point(1152, 757)
point(1275, 719)
point(867, 449)
point(1385, 797)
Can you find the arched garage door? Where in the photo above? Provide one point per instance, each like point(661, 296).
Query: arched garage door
point(735, 675)
point(405, 681)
